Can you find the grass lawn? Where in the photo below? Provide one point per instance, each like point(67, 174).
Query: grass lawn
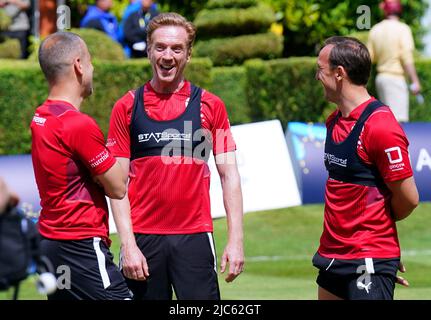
point(279, 245)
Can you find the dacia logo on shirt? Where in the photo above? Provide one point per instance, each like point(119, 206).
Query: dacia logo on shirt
point(333, 159)
point(395, 158)
point(164, 136)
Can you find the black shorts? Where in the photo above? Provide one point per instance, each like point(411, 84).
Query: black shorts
point(359, 279)
point(186, 263)
point(85, 270)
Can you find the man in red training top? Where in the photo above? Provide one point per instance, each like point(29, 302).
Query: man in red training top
point(74, 170)
point(159, 134)
point(370, 184)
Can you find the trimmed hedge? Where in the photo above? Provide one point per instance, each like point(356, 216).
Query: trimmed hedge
point(5, 20)
point(101, 46)
point(215, 4)
point(285, 89)
point(23, 88)
point(10, 49)
point(230, 83)
point(422, 112)
point(230, 51)
point(221, 22)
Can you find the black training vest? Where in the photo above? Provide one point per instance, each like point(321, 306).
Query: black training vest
point(342, 160)
point(176, 137)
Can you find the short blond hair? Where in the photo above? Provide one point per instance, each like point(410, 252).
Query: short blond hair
point(172, 19)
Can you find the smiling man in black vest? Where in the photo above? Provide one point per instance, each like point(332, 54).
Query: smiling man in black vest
point(160, 134)
point(370, 184)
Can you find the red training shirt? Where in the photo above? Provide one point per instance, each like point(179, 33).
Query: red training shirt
point(358, 222)
point(158, 192)
point(67, 151)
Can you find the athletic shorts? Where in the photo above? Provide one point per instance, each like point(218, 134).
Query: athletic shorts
point(358, 279)
point(85, 270)
point(184, 263)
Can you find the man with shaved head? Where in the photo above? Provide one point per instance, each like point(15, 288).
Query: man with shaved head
point(74, 170)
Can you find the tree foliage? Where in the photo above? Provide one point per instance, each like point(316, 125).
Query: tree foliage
point(308, 22)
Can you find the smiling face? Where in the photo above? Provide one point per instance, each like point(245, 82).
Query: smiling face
point(169, 54)
point(326, 75)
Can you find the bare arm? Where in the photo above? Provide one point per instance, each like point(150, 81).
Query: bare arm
point(113, 182)
point(405, 197)
point(411, 71)
point(232, 198)
point(134, 264)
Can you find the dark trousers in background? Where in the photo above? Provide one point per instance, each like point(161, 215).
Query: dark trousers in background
point(22, 36)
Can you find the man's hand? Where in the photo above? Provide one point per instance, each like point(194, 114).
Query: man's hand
point(234, 255)
point(134, 264)
point(415, 88)
point(401, 280)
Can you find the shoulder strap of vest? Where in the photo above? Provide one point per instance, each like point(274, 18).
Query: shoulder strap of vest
point(333, 121)
point(195, 92)
point(373, 106)
point(139, 95)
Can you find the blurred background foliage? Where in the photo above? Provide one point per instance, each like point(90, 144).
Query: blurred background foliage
point(308, 22)
point(305, 23)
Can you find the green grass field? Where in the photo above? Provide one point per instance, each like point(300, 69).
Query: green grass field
point(279, 245)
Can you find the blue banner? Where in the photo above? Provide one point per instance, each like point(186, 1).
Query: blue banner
point(308, 141)
point(306, 144)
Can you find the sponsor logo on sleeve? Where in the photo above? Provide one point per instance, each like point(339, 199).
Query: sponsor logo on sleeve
point(39, 120)
point(395, 158)
point(99, 159)
point(111, 142)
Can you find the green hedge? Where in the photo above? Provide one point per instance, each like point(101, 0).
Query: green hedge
point(101, 46)
point(230, 83)
point(10, 49)
point(230, 51)
point(5, 20)
point(221, 22)
point(285, 89)
point(23, 88)
point(422, 112)
point(215, 4)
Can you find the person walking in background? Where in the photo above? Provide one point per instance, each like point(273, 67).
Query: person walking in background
point(161, 135)
point(74, 170)
point(370, 185)
point(135, 28)
point(20, 25)
point(98, 17)
point(391, 46)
